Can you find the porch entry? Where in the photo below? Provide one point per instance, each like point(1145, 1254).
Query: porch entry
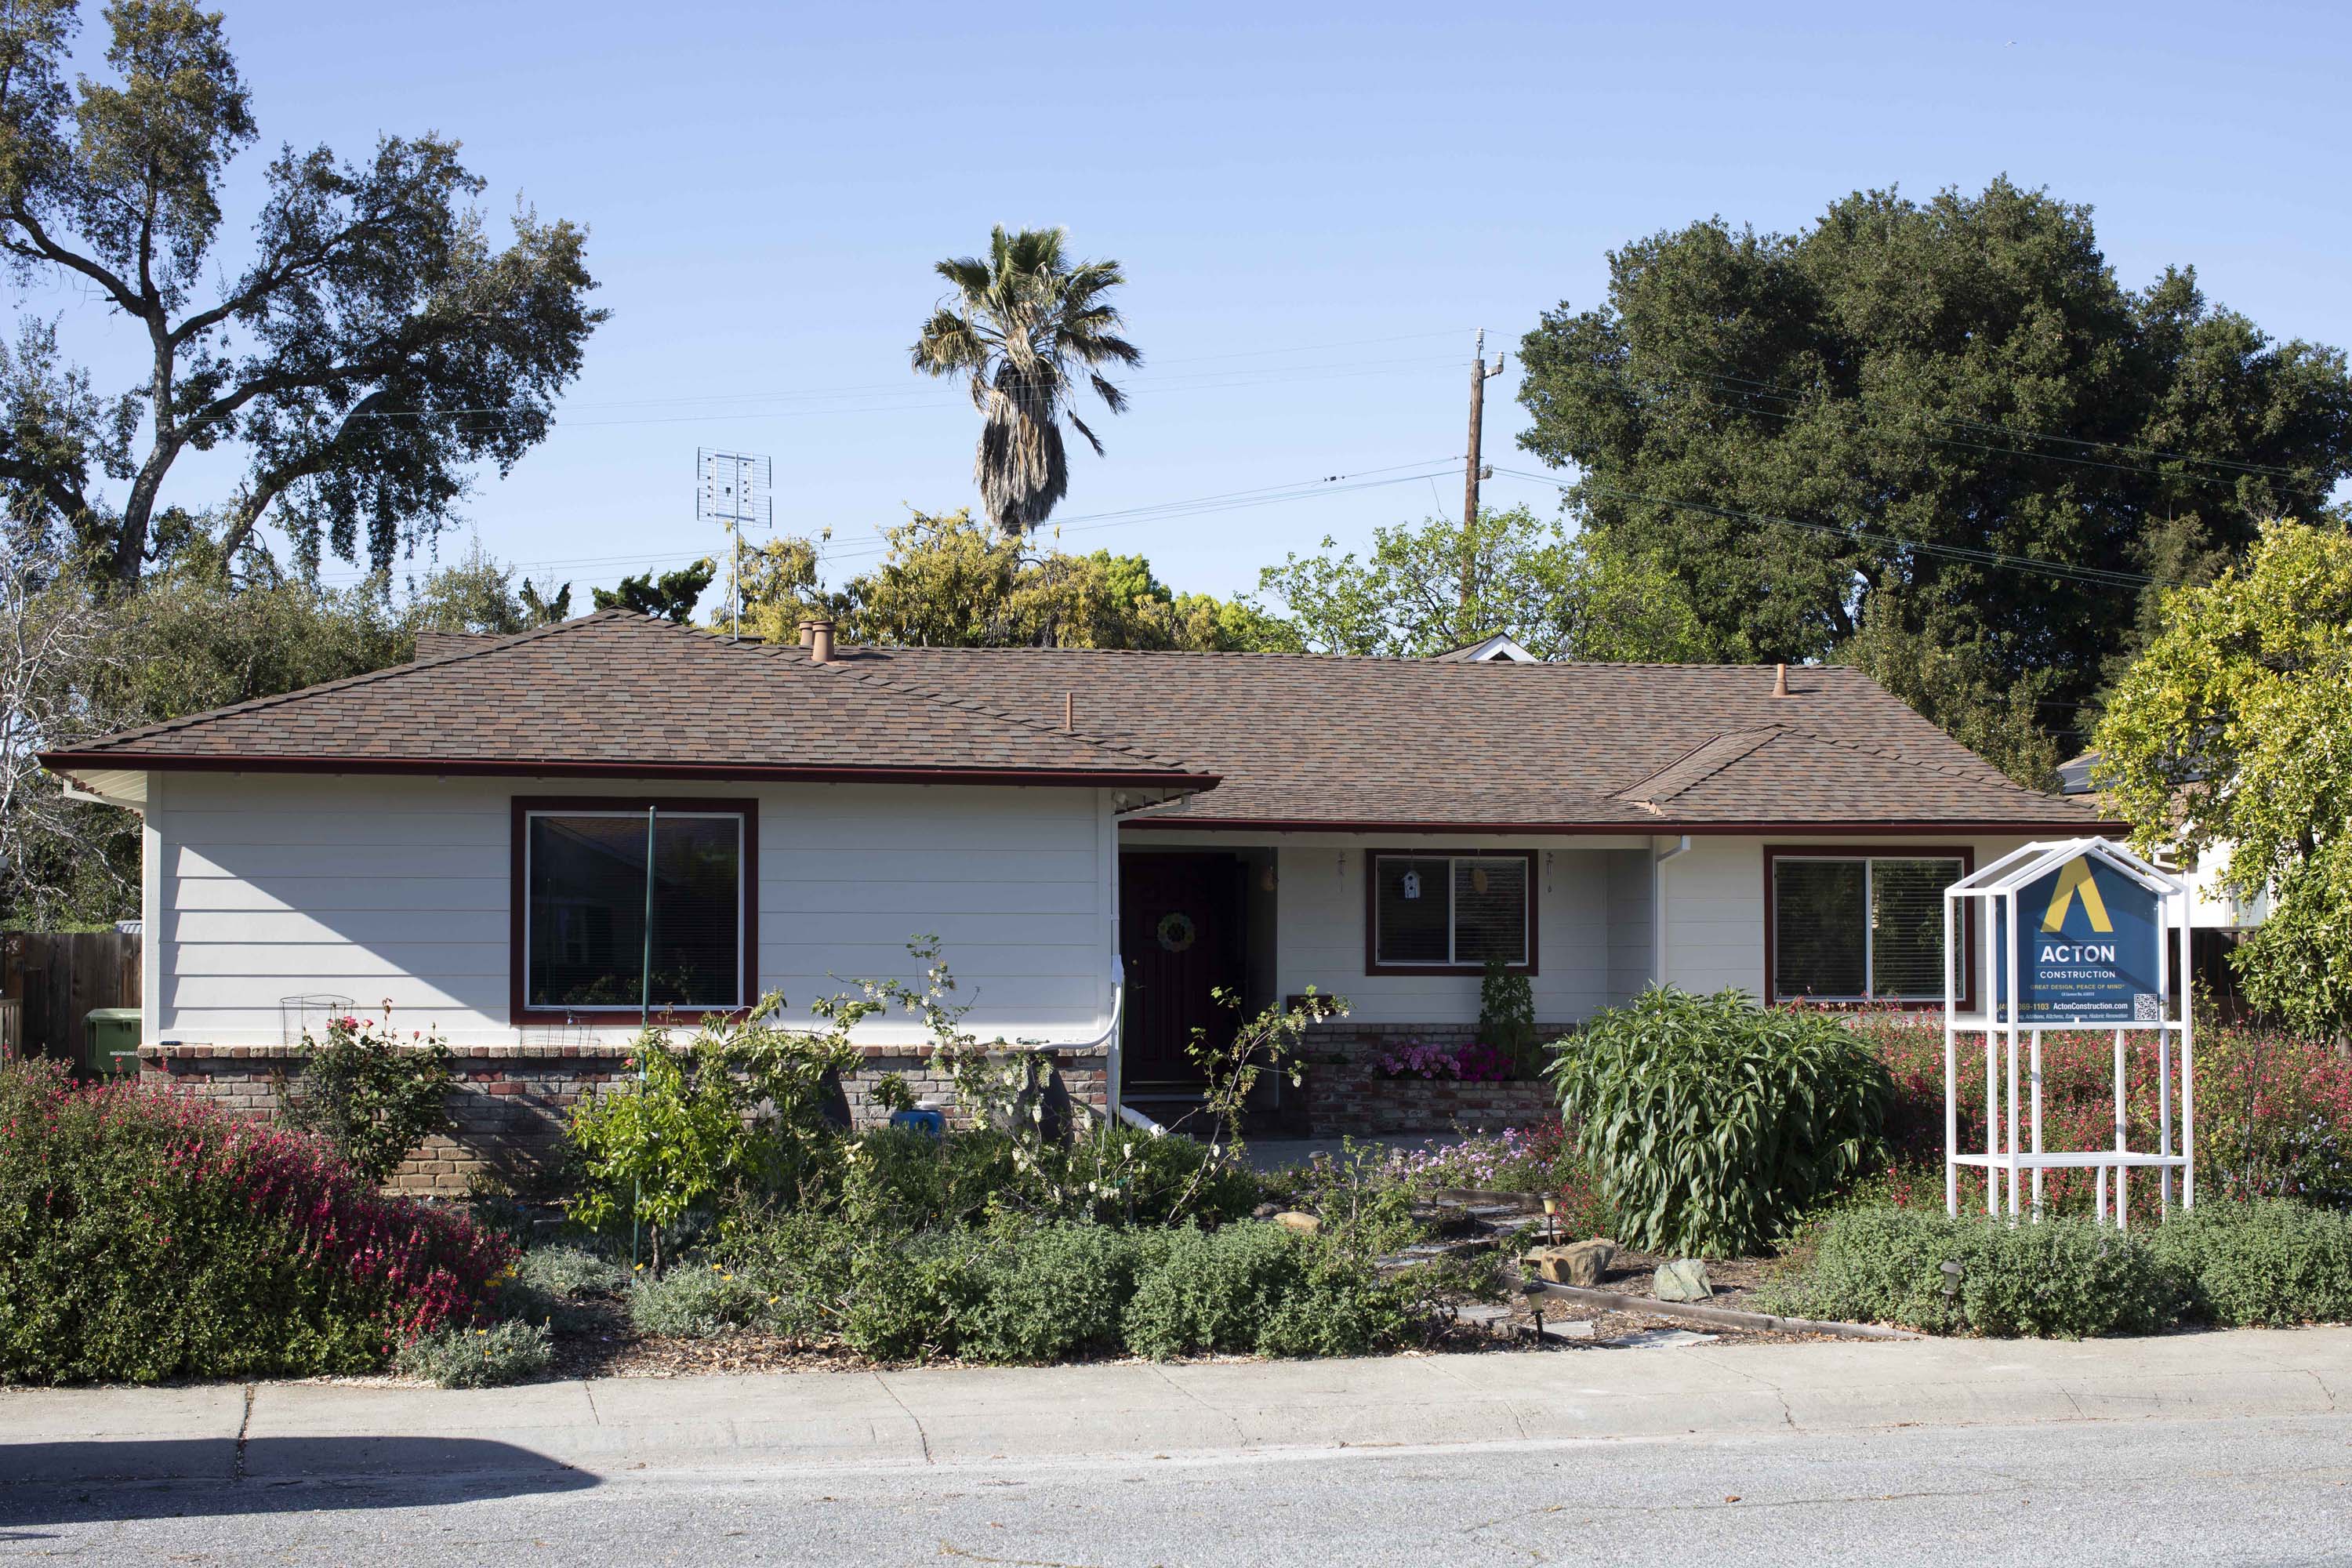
point(1182, 918)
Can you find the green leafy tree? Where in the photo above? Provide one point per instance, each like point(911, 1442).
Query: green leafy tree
point(1557, 594)
point(375, 308)
point(1916, 386)
point(1024, 325)
point(949, 582)
point(545, 609)
point(2232, 733)
point(672, 595)
point(374, 1096)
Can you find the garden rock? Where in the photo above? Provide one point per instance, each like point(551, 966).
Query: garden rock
point(1582, 1263)
point(1683, 1280)
point(1303, 1224)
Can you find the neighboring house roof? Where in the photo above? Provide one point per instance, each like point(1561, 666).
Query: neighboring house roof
point(1501, 646)
point(1288, 741)
point(1302, 742)
point(619, 693)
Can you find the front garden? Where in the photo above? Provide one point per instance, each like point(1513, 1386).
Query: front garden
point(717, 1214)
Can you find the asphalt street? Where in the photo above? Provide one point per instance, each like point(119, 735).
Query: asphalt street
point(2232, 1490)
point(2205, 1448)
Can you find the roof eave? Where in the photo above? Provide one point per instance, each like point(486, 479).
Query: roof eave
point(1173, 783)
point(1649, 826)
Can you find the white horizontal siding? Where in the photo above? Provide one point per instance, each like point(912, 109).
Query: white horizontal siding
point(1320, 936)
point(1715, 908)
point(272, 887)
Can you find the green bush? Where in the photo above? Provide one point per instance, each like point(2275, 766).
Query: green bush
point(1124, 1176)
point(802, 1263)
point(1255, 1287)
point(1712, 1122)
point(145, 1236)
point(910, 1300)
point(900, 1178)
point(571, 1272)
point(1050, 1293)
point(695, 1301)
point(1507, 1017)
point(477, 1358)
point(2059, 1279)
point(2274, 1261)
point(370, 1094)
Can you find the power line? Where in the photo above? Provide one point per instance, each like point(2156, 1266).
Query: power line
point(1195, 506)
point(2101, 576)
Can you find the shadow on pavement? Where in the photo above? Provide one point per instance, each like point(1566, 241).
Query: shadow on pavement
point(62, 1483)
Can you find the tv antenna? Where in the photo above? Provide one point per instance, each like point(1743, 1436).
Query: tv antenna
point(734, 490)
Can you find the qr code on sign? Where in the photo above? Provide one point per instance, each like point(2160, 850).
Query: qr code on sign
point(2148, 1008)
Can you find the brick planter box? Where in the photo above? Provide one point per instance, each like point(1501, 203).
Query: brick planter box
point(1347, 1095)
point(510, 1102)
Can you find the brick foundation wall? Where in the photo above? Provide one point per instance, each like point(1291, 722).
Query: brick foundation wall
point(1347, 1095)
point(510, 1102)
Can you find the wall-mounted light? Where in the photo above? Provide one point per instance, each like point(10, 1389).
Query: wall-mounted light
point(1265, 878)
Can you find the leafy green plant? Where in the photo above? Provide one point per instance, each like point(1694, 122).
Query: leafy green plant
point(1507, 1017)
point(741, 1111)
point(1710, 1122)
point(2059, 1278)
point(695, 1303)
point(1257, 1288)
point(1052, 1291)
point(2272, 1261)
point(900, 1179)
point(510, 1351)
point(370, 1095)
point(891, 1093)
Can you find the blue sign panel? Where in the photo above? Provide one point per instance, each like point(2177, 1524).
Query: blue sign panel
point(2090, 949)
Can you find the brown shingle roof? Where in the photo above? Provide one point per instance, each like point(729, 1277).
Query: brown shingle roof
point(621, 693)
point(1297, 741)
point(1303, 740)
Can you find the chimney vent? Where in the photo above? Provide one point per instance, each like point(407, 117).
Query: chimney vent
point(806, 628)
point(1780, 680)
point(1069, 711)
point(818, 635)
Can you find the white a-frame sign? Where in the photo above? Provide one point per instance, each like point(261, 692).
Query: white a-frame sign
point(2066, 935)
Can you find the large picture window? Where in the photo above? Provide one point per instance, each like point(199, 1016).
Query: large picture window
point(583, 897)
point(1854, 926)
point(1440, 912)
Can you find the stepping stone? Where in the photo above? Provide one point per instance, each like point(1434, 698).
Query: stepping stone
point(1652, 1339)
point(1567, 1329)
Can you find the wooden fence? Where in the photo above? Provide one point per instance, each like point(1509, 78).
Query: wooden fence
point(54, 978)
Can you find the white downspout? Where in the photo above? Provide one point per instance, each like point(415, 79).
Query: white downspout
point(1658, 909)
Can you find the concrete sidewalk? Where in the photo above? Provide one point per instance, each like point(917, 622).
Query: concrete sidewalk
point(954, 1415)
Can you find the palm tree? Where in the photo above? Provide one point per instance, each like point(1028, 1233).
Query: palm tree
point(1022, 323)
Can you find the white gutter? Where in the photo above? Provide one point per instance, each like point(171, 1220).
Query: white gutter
point(1658, 909)
point(1114, 1061)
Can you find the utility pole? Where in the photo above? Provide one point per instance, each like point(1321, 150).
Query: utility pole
point(1473, 470)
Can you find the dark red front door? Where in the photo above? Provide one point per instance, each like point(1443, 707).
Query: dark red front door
point(1179, 931)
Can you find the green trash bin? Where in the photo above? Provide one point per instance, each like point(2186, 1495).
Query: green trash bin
point(110, 1042)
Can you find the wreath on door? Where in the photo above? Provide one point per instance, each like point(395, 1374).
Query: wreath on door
point(1176, 931)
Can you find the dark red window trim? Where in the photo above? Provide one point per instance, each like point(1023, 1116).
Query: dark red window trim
point(1372, 964)
point(1965, 856)
point(518, 897)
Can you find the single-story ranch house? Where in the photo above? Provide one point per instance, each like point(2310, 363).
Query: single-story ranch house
point(464, 837)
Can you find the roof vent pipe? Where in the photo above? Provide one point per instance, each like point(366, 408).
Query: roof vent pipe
point(1780, 680)
point(817, 636)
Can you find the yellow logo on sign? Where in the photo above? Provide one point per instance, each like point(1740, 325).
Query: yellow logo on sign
point(2073, 878)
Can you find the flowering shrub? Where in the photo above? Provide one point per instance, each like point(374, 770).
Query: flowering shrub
point(1542, 1159)
point(1418, 1058)
point(371, 1094)
point(2273, 1111)
point(1481, 1063)
point(144, 1236)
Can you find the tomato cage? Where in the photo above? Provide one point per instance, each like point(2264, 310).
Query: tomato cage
point(2066, 934)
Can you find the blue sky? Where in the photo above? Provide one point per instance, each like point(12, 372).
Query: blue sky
point(1316, 206)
